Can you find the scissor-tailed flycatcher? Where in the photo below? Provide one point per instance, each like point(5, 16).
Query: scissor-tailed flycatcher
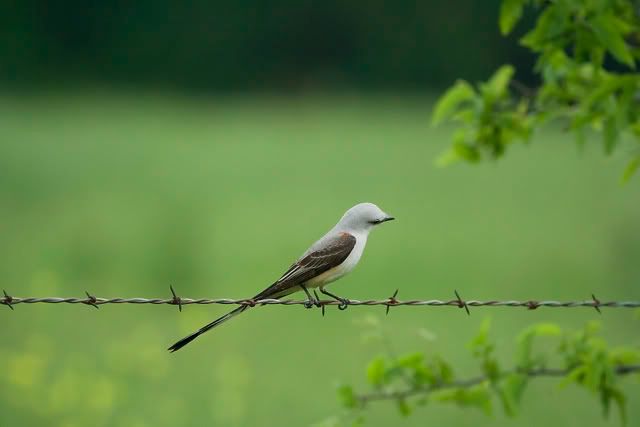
point(327, 260)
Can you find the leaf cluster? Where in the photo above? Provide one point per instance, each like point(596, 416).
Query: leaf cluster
point(587, 52)
point(418, 379)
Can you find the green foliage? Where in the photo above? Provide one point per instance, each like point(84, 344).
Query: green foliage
point(376, 372)
point(510, 14)
point(477, 396)
point(592, 365)
point(483, 348)
point(631, 168)
point(579, 87)
point(451, 100)
point(525, 358)
point(347, 396)
point(489, 118)
point(416, 379)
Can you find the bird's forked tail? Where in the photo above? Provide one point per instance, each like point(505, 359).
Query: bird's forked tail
point(186, 340)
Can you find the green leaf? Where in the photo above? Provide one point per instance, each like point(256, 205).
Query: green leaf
point(624, 356)
point(459, 150)
point(510, 14)
point(480, 342)
point(491, 369)
point(497, 84)
point(605, 400)
point(466, 152)
point(610, 35)
point(574, 376)
point(412, 360)
point(631, 169)
point(547, 330)
point(621, 401)
point(376, 371)
point(457, 94)
point(447, 158)
point(476, 396)
point(511, 391)
point(610, 134)
point(347, 396)
point(404, 407)
point(445, 371)
point(524, 360)
point(465, 115)
point(549, 28)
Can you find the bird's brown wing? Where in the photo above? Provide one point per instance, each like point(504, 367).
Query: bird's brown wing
point(310, 266)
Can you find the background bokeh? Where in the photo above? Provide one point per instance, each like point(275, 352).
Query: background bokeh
point(253, 45)
point(207, 145)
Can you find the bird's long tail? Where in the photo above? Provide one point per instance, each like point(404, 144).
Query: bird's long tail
point(186, 340)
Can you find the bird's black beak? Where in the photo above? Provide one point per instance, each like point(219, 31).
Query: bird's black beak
point(380, 221)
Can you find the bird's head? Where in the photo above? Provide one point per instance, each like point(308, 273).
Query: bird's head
point(363, 217)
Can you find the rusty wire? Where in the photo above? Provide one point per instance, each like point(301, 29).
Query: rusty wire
point(391, 301)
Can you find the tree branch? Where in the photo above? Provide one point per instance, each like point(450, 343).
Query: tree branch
point(542, 372)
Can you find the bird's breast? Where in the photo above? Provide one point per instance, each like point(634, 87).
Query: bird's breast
point(344, 268)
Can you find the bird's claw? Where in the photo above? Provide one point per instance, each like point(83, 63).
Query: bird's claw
point(311, 302)
point(344, 303)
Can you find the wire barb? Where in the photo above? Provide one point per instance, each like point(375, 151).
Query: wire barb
point(596, 303)
point(7, 299)
point(91, 300)
point(176, 300)
point(462, 304)
point(532, 305)
point(318, 299)
point(392, 301)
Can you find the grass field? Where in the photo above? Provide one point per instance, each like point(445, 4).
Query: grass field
point(123, 195)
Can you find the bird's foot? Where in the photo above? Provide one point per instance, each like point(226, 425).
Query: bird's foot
point(312, 302)
point(344, 302)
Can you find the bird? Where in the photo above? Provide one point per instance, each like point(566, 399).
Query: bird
point(331, 257)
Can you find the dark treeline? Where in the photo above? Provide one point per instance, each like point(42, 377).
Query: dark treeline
point(253, 45)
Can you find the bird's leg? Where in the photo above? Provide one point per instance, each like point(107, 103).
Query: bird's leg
point(344, 303)
point(311, 301)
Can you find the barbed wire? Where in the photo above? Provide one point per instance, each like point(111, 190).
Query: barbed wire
point(541, 372)
point(391, 301)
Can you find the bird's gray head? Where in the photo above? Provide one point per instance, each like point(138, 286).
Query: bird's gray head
point(363, 217)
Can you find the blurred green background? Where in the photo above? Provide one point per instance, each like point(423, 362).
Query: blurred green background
point(176, 150)
point(249, 45)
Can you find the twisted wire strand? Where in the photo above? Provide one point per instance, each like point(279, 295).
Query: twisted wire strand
point(388, 302)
